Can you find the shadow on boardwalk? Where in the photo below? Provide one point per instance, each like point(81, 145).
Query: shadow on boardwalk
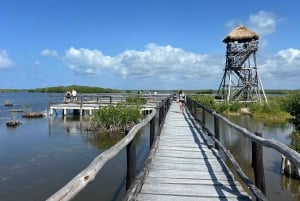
point(185, 167)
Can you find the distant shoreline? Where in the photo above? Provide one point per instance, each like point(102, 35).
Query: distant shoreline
point(91, 89)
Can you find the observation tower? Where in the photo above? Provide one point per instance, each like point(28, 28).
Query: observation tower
point(241, 81)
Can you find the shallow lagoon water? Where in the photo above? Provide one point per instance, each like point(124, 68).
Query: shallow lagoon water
point(41, 155)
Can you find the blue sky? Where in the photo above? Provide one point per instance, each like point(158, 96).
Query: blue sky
point(134, 44)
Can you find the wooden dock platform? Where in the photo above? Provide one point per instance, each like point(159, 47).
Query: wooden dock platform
point(89, 103)
point(185, 168)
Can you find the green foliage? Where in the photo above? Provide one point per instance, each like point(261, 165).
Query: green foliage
point(117, 117)
point(207, 101)
point(295, 141)
point(293, 106)
point(275, 110)
point(235, 107)
point(79, 89)
point(139, 99)
point(222, 107)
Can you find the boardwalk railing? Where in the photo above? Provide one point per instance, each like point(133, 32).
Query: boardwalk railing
point(80, 181)
point(202, 113)
point(91, 102)
point(101, 98)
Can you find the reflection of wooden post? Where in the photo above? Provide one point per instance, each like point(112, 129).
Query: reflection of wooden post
point(131, 163)
point(258, 165)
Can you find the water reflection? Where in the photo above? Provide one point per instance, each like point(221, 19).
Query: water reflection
point(71, 125)
point(278, 186)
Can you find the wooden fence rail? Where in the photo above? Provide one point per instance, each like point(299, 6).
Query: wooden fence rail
point(291, 154)
point(80, 181)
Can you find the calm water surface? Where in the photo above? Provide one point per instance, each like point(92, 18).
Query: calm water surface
point(41, 155)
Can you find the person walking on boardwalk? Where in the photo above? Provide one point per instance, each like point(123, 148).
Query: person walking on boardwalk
point(181, 100)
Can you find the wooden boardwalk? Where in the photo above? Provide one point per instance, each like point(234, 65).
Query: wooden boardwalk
point(185, 168)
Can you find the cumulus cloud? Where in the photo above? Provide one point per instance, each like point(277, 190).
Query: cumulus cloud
point(263, 22)
point(5, 61)
point(283, 66)
point(47, 52)
point(176, 65)
point(163, 62)
point(92, 62)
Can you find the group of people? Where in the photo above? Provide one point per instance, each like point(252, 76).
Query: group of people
point(181, 99)
point(70, 95)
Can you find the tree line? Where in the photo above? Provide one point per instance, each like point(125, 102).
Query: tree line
point(78, 88)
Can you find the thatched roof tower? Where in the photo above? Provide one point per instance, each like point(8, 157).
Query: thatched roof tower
point(241, 34)
point(241, 81)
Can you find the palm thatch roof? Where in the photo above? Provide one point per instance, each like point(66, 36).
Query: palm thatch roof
point(241, 34)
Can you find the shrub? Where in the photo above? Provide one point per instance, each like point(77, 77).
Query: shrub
point(293, 106)
point(207, 101)
point(222, 107)
point(136, 100)
point(116, 117)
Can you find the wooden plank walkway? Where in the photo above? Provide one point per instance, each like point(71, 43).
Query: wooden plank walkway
point(184, 168)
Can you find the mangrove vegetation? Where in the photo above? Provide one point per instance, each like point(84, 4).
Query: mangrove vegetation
point(78, 88)
point(280, 108)
point(120, 117)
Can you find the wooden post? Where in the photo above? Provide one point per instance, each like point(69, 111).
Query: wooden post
point(217, 130)
point(152, 130)
point(159, 116)
point(258, 165)
point(203, 116)
point(131, 163)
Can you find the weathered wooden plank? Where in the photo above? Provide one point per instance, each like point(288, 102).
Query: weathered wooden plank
point(186, 154)
point(164, 180)
point(186, 160)
point(152, 197)
point(218, 190)
point(188, 167)
point(184, 148)
point(183, 174)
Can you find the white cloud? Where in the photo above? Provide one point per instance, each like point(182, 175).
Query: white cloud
point(263, 22)
point(47, 52)
point(5, 61)
point(92, 62)
point(290, 55)
point(282, 69)
point(165, 63)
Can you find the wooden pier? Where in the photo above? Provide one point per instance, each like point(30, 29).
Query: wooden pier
point(82, 103)
point(75, 107)
point(89, 103)
point(185, 167)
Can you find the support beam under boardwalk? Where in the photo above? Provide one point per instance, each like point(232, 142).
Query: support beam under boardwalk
point(76, 108)
point(185, 168)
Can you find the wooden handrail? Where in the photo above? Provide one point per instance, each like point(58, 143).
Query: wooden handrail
point(291, 154)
